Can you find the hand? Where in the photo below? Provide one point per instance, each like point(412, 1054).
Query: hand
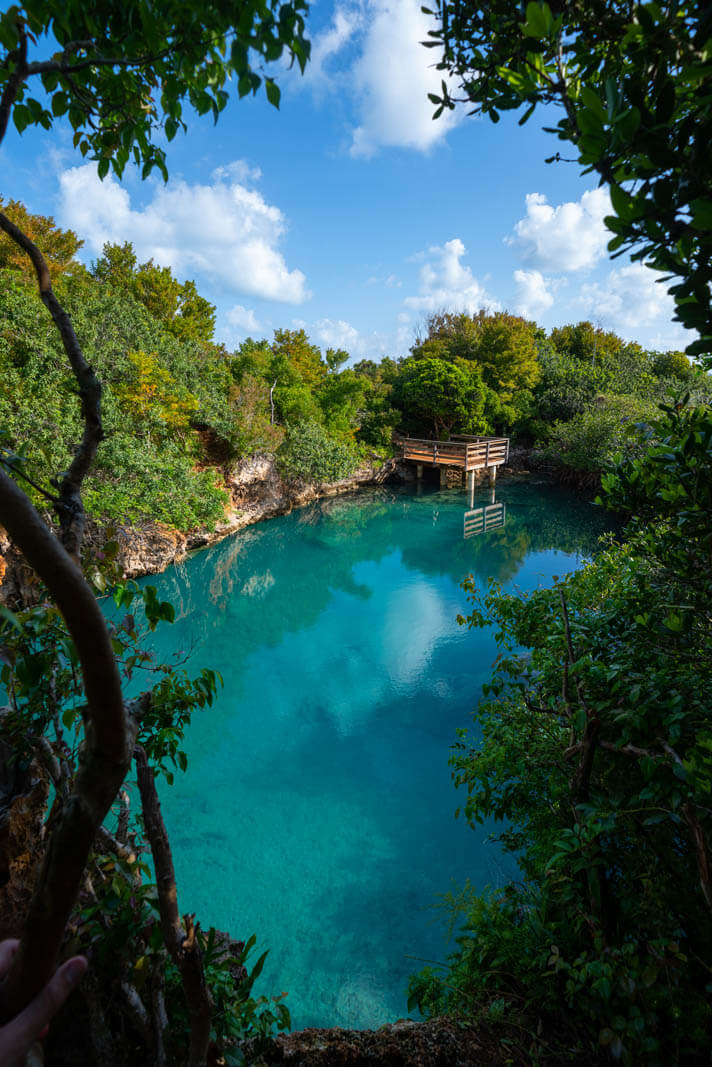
point(17, 1038)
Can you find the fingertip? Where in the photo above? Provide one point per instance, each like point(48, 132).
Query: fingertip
point(74, 970)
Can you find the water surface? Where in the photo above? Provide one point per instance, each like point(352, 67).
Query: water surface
point(318, 811)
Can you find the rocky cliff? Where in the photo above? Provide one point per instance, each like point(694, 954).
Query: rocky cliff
point(256, 491)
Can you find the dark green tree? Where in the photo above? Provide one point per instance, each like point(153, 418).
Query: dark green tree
point(440, 397)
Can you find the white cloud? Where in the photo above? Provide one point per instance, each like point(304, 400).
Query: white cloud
point(632, 302)
point(390, 281)
point(392, 78)
point(325, 46)
point(338, 334)
point(569, 237)
point(445, 283)
point(223, 231)
point(534, 295)
point(244, 320)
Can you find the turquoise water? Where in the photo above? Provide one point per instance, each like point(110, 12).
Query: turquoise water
point(318, 811)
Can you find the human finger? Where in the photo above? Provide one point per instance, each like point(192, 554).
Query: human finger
point(8, 949)
point(18, 1035)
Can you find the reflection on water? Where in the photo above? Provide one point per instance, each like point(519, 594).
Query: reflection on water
point(490, 516)
point(317, 810)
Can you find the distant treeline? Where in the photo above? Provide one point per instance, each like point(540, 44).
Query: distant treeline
point(179, 407)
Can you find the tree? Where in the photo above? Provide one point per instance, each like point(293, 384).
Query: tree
point(447, 396)
point(588, 343)
point(185, 314)
point(504, 348)
point(632, 82)
point(59, 246)
point(121, 74)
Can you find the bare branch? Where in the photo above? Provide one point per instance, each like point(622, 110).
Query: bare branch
point(104, 761)
point(701, 852)
point(25, 477)
point(182, 944)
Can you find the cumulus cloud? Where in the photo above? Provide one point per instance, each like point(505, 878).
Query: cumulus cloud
point(328, 44)
point(244, 320)
point(534, 295)
point(569, 237)
point(224, 231)
point(445, 282)
point(337, 333)
point(629, 300)
point(392, 78)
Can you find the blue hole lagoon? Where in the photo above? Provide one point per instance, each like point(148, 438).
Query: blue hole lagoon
point(317, 810)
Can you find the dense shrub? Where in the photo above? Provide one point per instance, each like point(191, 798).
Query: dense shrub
point(590, 440)
point(308, 454)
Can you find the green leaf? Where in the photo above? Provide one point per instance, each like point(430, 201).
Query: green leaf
point(701, 211)
point(537, 20)
point(60, 103)
point(273, 92)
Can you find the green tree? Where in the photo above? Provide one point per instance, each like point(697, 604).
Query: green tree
point(631, 82)
point(588, 343)
point(504, 348)
point(121, 74)
point(180, 308)
point(443, 396)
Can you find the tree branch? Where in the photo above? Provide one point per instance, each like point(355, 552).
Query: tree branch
point(182, 944)
point(104, 761)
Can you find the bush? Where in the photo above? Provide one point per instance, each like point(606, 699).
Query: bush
point(592, 439)
point(308, 454)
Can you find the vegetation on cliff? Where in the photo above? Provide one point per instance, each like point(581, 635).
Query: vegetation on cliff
point(594, 744)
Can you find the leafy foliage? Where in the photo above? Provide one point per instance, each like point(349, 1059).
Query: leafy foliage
point(609, 428)
point(122, 75)
point(446, 397)
point(309, 454)
point(643, 126)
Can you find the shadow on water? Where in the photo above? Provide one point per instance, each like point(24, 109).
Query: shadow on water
point(317, 810)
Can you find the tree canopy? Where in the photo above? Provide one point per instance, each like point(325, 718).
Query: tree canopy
point(121, 73)
point(632, 83)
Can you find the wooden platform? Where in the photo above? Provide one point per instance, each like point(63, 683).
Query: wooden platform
point(468, 453)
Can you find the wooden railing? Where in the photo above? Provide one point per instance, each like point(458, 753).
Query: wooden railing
point(472, 453)
point(480, 520)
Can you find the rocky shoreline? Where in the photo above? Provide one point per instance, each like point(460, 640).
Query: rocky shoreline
point(256, 491)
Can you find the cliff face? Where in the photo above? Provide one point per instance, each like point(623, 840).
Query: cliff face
point(257, 491)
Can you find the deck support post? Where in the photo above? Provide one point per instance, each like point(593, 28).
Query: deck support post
point(419, 471)
point(443, 477)
point(492, 476)
point(471, 487)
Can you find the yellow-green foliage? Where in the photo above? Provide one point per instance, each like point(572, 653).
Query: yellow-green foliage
point(151, 392)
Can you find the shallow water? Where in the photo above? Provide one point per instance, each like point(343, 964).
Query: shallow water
point(318, 811)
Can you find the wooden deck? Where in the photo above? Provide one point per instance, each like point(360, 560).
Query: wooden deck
point(469, 453)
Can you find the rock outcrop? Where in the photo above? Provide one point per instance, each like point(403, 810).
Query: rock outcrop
point(256, 492)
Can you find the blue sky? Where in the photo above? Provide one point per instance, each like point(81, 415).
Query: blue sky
point(350, 212)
